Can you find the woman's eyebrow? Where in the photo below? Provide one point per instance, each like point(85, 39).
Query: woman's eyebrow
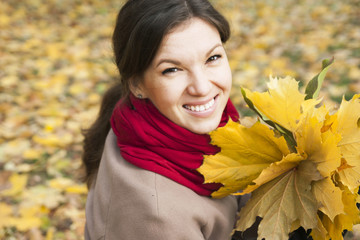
point(213, 48)
point(168, 61)
point(178, 63)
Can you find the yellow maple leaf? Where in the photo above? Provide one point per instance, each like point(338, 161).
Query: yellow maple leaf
point(282, 202)
point(28, 218)
point(5, 214)
point(329, 196)
point(320, 149)
point(32, 154)
point(349, 127)
point(335, 228)
point(77, 189)
point(319, 232)
point(18, 183)
point(350, 177)
point(348, 124)
point(241, 159)
point(283, 103)
point(275, 169)
point(53, 140)
point(60, 183)
point(43, 196)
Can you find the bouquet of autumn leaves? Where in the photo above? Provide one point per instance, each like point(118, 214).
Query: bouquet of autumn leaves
point(300, 161)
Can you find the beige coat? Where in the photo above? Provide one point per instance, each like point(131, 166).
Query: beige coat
point(130, 203)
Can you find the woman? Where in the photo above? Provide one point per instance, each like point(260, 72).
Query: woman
point(142, 152)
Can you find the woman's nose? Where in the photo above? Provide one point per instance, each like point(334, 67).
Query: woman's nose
point(199, 83)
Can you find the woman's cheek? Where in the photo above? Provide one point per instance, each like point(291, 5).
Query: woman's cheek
point(222, 76)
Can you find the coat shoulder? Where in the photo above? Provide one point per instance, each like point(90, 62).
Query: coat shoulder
point(127, 202)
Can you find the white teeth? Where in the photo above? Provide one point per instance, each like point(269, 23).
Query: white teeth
point(200, 108)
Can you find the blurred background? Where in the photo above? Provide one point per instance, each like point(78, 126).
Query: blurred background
point(56, 62)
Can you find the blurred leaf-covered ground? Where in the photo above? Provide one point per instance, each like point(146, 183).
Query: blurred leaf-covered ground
point(56, 62)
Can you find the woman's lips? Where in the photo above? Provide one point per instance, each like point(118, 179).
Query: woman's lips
point(202, 107)
point(203, 110)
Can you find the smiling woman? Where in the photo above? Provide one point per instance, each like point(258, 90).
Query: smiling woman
point(152, 130)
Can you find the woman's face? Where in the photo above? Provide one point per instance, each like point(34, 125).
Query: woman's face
point(189, 80)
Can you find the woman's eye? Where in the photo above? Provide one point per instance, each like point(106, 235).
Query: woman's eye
point(170, 70)
point(213, 58)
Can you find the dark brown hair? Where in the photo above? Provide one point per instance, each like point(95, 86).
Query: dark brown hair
point(140, 28)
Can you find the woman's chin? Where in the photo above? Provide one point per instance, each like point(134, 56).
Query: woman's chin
point(203, 128)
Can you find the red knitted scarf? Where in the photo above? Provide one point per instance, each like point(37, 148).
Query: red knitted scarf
point(151, 141)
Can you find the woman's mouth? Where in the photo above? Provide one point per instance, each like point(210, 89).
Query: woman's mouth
point(202, 107)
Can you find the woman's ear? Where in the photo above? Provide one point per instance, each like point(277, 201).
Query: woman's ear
point(137, 88)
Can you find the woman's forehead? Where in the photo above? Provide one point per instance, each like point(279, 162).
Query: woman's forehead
point(193, 34)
